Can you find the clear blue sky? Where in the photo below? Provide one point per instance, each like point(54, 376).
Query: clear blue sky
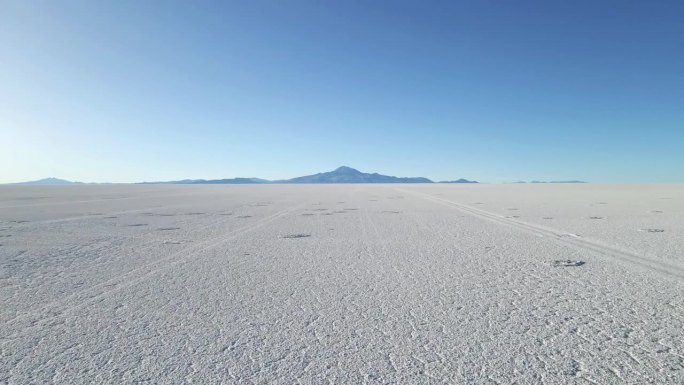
point(498, 91)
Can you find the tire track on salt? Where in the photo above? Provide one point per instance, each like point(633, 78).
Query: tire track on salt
point(146, 245)
point(559, 236)
point(133, 277)
point(61, 203)
point(30, 224)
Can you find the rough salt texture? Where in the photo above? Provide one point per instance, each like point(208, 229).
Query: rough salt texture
point(377, 284)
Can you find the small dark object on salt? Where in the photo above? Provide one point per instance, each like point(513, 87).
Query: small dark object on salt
point(297, 236)
point(566, 263)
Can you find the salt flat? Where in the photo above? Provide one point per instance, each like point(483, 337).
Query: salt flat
point(312, 284)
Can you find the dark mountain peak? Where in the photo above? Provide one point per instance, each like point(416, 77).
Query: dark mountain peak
point(346, 174)
point(346, 169)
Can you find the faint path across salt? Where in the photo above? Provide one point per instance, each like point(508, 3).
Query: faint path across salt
point(561, 236)
point(95, 293)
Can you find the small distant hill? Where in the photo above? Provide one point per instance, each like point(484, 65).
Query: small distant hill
point(233, 181)
point(214, 181)
point(48, 182)
point(346, 174)
point(556, 181)
point(460, 181)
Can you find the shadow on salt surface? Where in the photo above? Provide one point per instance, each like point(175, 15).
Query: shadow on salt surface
point(566, 263)
point(176, 242)
point(25, 198)
point(652, 230)
point(294, 236)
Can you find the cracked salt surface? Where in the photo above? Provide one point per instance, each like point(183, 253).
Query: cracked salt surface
point(447, 292)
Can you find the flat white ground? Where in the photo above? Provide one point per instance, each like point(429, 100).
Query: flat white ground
point(313, 284)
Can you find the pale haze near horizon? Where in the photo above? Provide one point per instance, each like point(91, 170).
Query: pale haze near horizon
point(129, 92)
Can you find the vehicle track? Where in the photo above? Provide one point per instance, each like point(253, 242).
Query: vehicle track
point(559, 236)
point(95, 293)
point(146, 245)
point(78, 202)
point(29, 224)
point(67, 202)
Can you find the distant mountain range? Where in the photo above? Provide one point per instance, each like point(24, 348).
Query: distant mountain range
point(342, 174)
point(349, 175)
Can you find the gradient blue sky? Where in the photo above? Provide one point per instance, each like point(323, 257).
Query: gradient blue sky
point(498, 91)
